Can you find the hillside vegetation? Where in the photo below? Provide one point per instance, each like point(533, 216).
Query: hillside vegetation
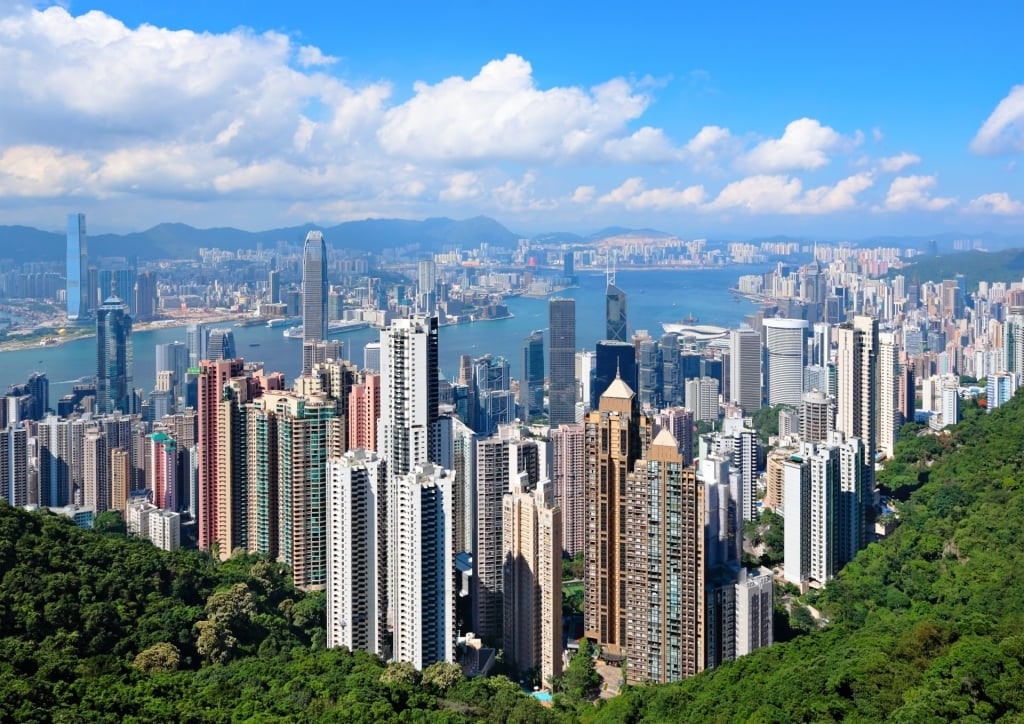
point(926, 625)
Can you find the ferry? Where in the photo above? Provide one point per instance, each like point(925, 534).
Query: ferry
point(281, 321)
point(350, 325)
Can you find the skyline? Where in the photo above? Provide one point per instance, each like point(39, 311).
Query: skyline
point(813, 123)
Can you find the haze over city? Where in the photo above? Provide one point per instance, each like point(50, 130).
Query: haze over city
point(831, 122)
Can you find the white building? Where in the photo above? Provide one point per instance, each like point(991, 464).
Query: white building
point(164, 529)
point(421, 563)
point(784, 360)
point(356, 563)
point(755, 604)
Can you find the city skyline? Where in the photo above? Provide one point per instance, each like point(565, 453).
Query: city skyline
point(574, 121)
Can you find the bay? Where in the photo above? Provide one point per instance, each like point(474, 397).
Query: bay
point(655, 296)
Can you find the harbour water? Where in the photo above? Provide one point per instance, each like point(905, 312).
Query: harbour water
point(654, 297)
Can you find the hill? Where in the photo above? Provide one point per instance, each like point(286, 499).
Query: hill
point(175, 241)
point(927, 625)
point(976, 266)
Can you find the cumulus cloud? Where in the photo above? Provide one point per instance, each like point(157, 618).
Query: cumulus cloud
point(462, 187)
point(647, 145)
point(779, 194)
point(998, 203)
point(40, 171)
point(1003, 131)
point(501, 114)
point(584, 194)
point(310, 56)
point(634, 195)
point(804, 145)
point(895, 164)
point(913, 192)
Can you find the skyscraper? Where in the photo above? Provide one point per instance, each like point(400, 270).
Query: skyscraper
point(77, 268)
point(569, 479)
point(561, 361)
point(889, 419)
point(532, 579)
point(857, 403)
point(615, 436)
point(357, 555)
point(14, 466)
point(745, 372)
point(784, 360)
point(196, 340)
point(613, 359)
point(114, 390)
point(531, 387)
point(173, 357)
point(221, 345)
point(661, 587)
point(615, 312)
point(314, 289)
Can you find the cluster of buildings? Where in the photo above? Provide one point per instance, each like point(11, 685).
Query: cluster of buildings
point(437, 514)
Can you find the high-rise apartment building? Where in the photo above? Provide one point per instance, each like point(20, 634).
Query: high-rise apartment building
point(421, 565)
point(364, 412)
point(314, 289)
point(1001, 387)
point(745, 369)
point(702, 398)
point(561, 361)
point(357, 555)
point(755, 603)
point(531, 387)
point(532, 579)
point(661, 586)
point(817, 416)
point(889, 418)
point(14, 466)
point(857, 408)
point(785, 347)
point(569, 485)
point(114, 389)
point(77, 268)
point(615, 436)
point(162, 471)
point(499, 460)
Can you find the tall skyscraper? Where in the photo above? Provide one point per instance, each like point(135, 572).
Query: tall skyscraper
point(745, 372)
point(857, 408)
point(114, 389)
point(314, 289)
point(561, 361)
point(77, 268)
point(364, 412)
point(615, 312)
point(426, 287)
point(661, 586)
point(14, 466)
point(613, 359)
point(357, 555)
point(649, 374)
point(889, 419)
point(221, 345)
point(173, 357)
point(532, 579)
point(145, 294)
point(569, 483)
point(197, 338)
point(421, 564)
point(531, 387)
point(499, 460)
point(615, 436)
point(785, 347)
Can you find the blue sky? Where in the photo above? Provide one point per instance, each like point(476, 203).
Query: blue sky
point(821, 119)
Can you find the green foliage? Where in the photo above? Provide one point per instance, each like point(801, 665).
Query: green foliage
point(580, 681)
point(766, 421)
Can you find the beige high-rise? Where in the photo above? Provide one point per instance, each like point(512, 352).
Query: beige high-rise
point(532, 580)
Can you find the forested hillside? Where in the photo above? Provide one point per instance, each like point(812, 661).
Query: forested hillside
point(926, 625)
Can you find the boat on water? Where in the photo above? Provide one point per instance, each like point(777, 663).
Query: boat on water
point(348, 325)
point(281, 321)
point(254, 344)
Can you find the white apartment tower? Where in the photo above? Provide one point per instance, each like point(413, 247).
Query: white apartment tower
point(357, 554)
point(745, 369)
point(889, 418)
point(784, 360)
point(857, 403)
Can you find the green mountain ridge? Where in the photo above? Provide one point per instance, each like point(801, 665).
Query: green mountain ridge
point(926, 625)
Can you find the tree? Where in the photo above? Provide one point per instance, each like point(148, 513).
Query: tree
point(442, 676)
point(158, 657)
point(581, 680)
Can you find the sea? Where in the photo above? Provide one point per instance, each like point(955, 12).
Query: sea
point(655, 296)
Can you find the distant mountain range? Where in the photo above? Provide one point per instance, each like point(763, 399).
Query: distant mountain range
point(178, 241)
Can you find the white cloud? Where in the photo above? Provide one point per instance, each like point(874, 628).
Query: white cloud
point(779, 194)
point(647, 145)
point(501, 114)
point(912, 192)
point(876, 135)
point(519, 195)
point(40, 171)
point(1003, 131)
point(633, 195)
point(804, 145)
point(462, 187)
point(711, 146)
point(310, 56)
point(895, 164)
point(998, 203)
point(584, 194)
